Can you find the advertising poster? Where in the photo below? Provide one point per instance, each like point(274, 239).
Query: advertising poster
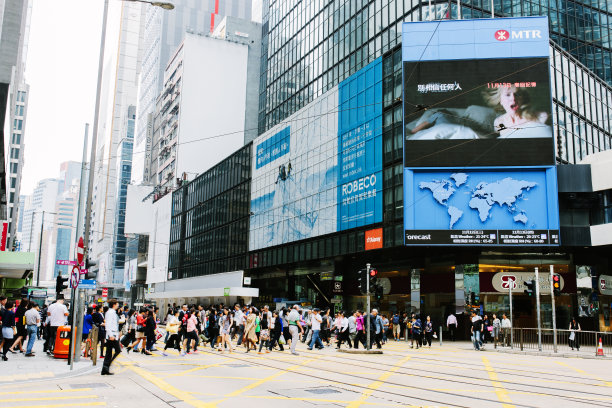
point(479, 165)
point(320, 170)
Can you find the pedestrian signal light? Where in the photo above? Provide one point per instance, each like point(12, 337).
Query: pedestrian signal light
point(60, 284)
point(556, 284)
point(378, 292)
point(373, 276)
point(89, 265)
point(361, 280)
point(530, 285)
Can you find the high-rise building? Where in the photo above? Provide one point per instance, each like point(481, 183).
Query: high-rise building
point(163, 32)
point(118, 98)
point(202, 99)
point(17, 16)
point(64, 229)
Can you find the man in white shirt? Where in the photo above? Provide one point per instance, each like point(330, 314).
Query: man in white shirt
point(451, 325)
point(506, 326)
point(315, 321)
point(56, 317)
point(111, 323)
point(294, 328)
point(239, 320)
point(343, 331)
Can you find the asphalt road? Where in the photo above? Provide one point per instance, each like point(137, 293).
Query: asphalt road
point(452, 375)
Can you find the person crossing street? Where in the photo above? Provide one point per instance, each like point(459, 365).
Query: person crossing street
point(111, 320)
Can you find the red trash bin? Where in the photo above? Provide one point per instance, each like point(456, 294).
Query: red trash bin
point(62, 342)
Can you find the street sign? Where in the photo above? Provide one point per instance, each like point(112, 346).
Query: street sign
point(87, 284)
point(74, 277)
point(80, 250)
point(65, 262)
point(84, 271)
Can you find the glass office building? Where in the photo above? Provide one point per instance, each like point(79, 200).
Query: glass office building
point(311, 46)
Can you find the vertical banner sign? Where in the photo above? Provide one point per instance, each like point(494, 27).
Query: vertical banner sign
point(105, 293)
point(4, 236)
point(479, 162)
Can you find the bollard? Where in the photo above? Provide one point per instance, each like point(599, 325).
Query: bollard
point(440, 335)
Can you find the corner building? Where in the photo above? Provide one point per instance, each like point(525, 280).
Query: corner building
point(327, 173)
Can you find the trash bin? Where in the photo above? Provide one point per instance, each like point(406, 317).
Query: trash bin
point(62, 342)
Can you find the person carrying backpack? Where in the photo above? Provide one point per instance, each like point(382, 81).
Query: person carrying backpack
point(416, 331)
point(395, 320)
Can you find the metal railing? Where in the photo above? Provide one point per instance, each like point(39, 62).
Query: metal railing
point(582, 341)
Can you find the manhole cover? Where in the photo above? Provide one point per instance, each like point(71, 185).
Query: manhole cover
point(89, 385)
point(322, 391)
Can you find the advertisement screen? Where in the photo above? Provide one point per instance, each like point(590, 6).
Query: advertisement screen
point(320, 170)
point(478, 112)
point(479, 164)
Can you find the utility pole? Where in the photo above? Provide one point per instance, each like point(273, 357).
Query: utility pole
point(368, 307)
point(554, 312)
point(42, 224)
point(511, 320)
point(537, 279)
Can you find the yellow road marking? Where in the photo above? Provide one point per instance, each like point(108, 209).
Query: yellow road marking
point(75, 404)
point(166, 387)
point(376, 384)
point(268, 378)
point(607, 383)
point(186, 372)
point(500, 391)
point(53, 397)
point(44, 391)
point(277, 397)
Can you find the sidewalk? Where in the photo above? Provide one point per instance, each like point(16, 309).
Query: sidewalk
point(23, 369)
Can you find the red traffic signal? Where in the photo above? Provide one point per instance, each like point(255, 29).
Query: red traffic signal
point(556, 284)
point(373, 272)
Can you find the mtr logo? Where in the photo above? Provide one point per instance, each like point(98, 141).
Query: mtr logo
point(503, 35)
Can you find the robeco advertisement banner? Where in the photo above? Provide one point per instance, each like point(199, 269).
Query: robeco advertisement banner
point(502, 281)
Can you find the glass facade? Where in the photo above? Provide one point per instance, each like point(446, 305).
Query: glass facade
point(209, 232)
point(311, 46)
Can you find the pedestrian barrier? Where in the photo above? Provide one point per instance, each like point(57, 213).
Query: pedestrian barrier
point(568, 341)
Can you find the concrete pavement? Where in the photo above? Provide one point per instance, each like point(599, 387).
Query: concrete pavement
point(451, 375)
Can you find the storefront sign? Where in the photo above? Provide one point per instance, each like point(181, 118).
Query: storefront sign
point(605, 284)
point(327, 276)
point(503, 281)
point(105, 292)
point(374, 239)
point(226, 291)
point(337, 287)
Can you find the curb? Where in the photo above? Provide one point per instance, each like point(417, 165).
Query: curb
point(357, 351)
point(551, 354)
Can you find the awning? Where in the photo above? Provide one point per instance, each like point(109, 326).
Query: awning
point(205, 292)
point(16, 265)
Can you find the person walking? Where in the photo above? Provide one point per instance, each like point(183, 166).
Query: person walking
point(227, 320)
point(476, 330)
point(264, 332)
point(451, 325)
point(428, 332)
point(57, 314)
point(416, 331)
point(574, 328)
point(140, 332)
point(172, 327)
point(87, 326)
point(496, 329)
point(277, 332)
point(111, 320)
point(32, 320)
point(352, 326)
point(395, 321)
point(22, 332)
point(150, 326)
point(192, 333)
point(294, 328)
point(486, 329)
point(360, 327)
point(98, 319)
point(343, 331)
point(250, 338)
point(239, 322)
point(506, 326)
point(8, 328)
point(315, 327)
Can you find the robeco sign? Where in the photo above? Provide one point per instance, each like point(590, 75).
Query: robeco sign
point(503, 281)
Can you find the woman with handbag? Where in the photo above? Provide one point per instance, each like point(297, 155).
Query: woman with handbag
point(22, 331)
point(574, 328)
point(172, 328)
point(250, 338)
point(428, 332)
point(140, 332)
point(264, 333)
point(276, 332)
point(8, 328)
point(227, 320)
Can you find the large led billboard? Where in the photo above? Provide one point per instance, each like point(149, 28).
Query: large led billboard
point(478, 141)
point(320, 170)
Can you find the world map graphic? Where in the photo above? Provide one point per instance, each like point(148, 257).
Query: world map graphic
point(507, 193)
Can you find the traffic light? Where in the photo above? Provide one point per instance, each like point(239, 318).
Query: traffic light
point(373, 278)
point(378, 292)
point(530, 291)
point(556, 284)
point(90, 273)
point(60, 284)
point(361, 279)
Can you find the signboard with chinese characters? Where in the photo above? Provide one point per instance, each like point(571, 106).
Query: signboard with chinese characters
point(503, 281)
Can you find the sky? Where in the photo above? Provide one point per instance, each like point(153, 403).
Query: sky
point(61, 68)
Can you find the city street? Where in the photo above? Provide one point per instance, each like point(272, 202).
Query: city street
point(452, 375)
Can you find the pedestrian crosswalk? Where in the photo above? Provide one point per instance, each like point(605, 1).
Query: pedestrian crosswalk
point(78, 397)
